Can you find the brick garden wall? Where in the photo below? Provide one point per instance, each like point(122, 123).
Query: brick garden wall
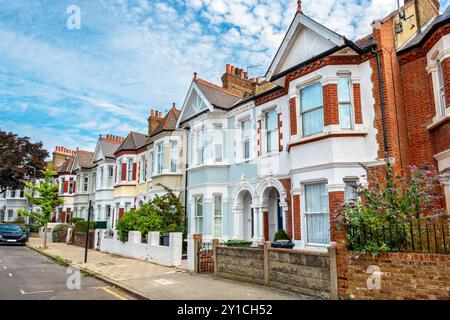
point(403, 276)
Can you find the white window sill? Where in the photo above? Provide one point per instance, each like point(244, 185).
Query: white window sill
point(437, 121)
point(205, 166)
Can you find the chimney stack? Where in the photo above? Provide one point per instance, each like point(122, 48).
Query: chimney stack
point(154, 120)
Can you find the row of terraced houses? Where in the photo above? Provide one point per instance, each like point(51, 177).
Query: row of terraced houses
point(252, 156)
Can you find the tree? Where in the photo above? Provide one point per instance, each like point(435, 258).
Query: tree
point(47, 199)
point(19, 159)
point(164, 213)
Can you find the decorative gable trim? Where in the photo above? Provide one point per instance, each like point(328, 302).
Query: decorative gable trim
point(195, 88)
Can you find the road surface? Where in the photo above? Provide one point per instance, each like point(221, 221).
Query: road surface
point(27, 275)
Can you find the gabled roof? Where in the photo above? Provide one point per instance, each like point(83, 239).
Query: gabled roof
point(169, 122)
point(423, 35)
point(66, 167)
point(216, 95)
point(84, 158)
point(133, 141)
point(108, 148)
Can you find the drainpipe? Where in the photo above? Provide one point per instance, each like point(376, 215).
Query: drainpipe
point(383, 105)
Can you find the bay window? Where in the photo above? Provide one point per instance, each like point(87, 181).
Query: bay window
point(199, 215)
point(150, 165)
point(173, 156)
point(317, 213)
point(345, 104)
point(311, 102)
point(102, 176)
point(119, 171)
point(272, 131)
point(246, 133)
point(94, 182)
point(217, 216)
point(85, 183)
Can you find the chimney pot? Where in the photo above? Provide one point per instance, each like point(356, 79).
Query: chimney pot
point(233, 70)
point(246, 75)
point(228, 70)
point(195, 75)
point(152, 113)
point(299, 6)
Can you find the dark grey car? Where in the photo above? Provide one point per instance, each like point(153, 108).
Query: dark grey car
point(12, 235)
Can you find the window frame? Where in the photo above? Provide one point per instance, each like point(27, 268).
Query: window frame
point(441, 88)
point(216, 216)
point(159, 158)
point(269, 132)
point(197, 200)
point(348, 103)
point(246, 140)
point(173, 156)
point(303, 112)
point(306, 213)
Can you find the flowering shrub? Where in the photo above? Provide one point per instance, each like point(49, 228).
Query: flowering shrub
point(390, 203)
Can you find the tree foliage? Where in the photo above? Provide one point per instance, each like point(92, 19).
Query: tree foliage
point(164, 213)
point(395, 200)
point(45, 196)
point(18, 156)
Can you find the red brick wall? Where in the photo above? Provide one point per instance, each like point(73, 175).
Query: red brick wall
point(280, 133)
point(408, 276)
point(287, 186)
point(419, 104)
point(293, 116)
point(330, 104)
point(297, 221)
point(335, 199)
point(357, 102)
point(441, 137)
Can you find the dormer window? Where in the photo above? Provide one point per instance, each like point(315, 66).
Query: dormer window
point(311, 101)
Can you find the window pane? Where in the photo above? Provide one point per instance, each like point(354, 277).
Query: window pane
point(311, 97)
point(316, 198)
point(313, 122)
point(318, 219)
point(271, 120)
point(351, 189)
point(246, 149)
point(318, 226)
point(272, 141)
point(344, 89)
point(345, 117)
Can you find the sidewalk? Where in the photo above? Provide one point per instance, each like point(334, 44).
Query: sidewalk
point(156, 282)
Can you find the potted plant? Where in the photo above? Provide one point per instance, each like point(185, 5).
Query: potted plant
point(282, 240)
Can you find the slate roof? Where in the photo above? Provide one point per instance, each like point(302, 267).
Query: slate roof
point(85, 158)
point(108, 148)
point(169, 122)
point(133, 141)
point(421, 36)
point(365, 42)
point(217, 96)
point(66, 167)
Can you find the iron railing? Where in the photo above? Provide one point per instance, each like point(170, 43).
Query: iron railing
point(421, 236)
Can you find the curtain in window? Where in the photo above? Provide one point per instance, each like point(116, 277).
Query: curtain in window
point(312, 109)
point(317, 213)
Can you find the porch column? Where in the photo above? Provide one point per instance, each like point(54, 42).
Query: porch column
point(284, 208)
point(255, 225)
point(261, 224)
point(236, 225)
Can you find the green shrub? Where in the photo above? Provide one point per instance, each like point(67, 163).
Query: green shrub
point(74, 220)
point(239, 243)
point(81, 226)
point(59, 233)
point(34, 228)
point(20, 220)
point(143, 220)
point(281, 235)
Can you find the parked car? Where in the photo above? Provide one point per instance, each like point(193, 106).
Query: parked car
point(13, 234)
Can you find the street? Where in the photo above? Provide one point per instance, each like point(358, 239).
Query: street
point(27, 275)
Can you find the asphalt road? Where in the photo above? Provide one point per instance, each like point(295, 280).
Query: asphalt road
point(27, 275)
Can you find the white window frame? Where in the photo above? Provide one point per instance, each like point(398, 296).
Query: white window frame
point(102, 176)
point(200, 147)
point(142, 172)
point(151, 164)
point(246, 139)
point(173, 144)
point(306, 214)
point(302, 113)
point(85, 183)
point(348, 103)
point(110, 170)
point(159, 158)
point(441, 88)
point(94, 182)
point(351, 183)
point(129, 169)
point(219, 143)
point(216, 216)
point(196, 216)
point(268, 132)
point(119, 170)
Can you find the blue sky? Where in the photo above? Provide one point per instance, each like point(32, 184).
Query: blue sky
point(65, 87)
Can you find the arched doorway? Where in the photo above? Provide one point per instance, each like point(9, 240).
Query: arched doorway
point(273, 217)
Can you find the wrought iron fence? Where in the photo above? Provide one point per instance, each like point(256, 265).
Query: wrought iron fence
point(421, 236)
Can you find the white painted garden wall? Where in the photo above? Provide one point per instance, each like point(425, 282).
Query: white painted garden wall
point(134, 248)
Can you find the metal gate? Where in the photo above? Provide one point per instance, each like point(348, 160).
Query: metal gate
point(205, 257)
